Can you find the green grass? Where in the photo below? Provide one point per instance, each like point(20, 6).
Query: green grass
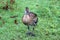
point(48, 27)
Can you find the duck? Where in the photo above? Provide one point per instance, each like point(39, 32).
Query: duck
point(29, 18)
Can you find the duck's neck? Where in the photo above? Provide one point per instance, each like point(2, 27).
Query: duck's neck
point(27, 11)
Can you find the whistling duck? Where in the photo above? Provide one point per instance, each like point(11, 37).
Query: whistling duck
point(29, 18)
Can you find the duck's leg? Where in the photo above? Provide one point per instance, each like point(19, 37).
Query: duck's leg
point(33, 28)
point(34, 24)
point(29, 33)
point(28, 28)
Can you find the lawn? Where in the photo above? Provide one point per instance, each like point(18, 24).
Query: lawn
point(48, 26)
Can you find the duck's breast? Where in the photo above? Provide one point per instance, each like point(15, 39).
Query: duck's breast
point(26, 19)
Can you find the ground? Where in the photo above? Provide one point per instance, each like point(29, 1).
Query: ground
point(48, 26)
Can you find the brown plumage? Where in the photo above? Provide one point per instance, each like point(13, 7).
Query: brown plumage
point(29, 18)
